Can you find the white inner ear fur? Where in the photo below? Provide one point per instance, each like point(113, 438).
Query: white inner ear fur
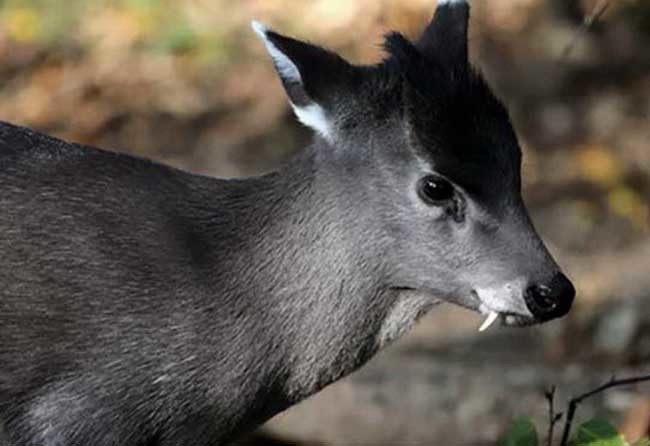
point(311, 115)
point(451, 2)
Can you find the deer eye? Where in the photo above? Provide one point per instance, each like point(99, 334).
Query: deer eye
point(435, 190)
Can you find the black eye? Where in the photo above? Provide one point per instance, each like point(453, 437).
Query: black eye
point(435, 190)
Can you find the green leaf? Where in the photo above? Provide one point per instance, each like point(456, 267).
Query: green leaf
point(642, 442)
point(598, 432)
point(521, 432)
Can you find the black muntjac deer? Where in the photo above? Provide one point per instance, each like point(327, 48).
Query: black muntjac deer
point(143, 305)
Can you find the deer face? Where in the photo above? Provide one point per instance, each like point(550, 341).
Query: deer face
point(436, 164)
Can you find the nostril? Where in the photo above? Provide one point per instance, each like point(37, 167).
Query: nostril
point(543, 296)
point(550, 300)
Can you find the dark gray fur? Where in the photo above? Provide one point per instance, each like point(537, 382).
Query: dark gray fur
point(143, 305)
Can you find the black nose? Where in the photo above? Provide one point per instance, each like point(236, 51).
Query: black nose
point(550, 300)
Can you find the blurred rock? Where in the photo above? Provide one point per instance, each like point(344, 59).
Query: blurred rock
point(616, 329)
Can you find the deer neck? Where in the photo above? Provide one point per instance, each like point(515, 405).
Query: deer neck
point(308, 302)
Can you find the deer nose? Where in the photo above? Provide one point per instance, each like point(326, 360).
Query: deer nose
point(551, 300)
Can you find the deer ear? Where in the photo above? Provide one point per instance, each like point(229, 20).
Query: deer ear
point(445, 38)
point(309, 74)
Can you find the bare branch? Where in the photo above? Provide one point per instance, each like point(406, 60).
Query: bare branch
point(553, 418)
point(574, 402)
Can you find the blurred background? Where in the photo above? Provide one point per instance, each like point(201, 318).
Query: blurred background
point(187, 83)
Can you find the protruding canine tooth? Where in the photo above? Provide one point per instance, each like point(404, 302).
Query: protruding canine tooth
point(489, 320)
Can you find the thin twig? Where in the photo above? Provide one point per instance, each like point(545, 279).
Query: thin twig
point(587, 23)
point(574, 402)
point(553, 417)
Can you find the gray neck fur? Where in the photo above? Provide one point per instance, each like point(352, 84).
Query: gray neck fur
point(302, 300)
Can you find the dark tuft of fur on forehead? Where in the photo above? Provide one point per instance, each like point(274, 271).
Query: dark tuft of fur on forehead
point(458, 123)
point(431, 77)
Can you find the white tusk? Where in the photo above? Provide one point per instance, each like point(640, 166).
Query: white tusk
point(489, 320)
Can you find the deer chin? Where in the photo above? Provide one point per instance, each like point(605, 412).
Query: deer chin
point(408, 306)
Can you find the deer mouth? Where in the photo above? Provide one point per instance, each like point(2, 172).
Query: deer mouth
point(504, 317)
point(478, 305)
